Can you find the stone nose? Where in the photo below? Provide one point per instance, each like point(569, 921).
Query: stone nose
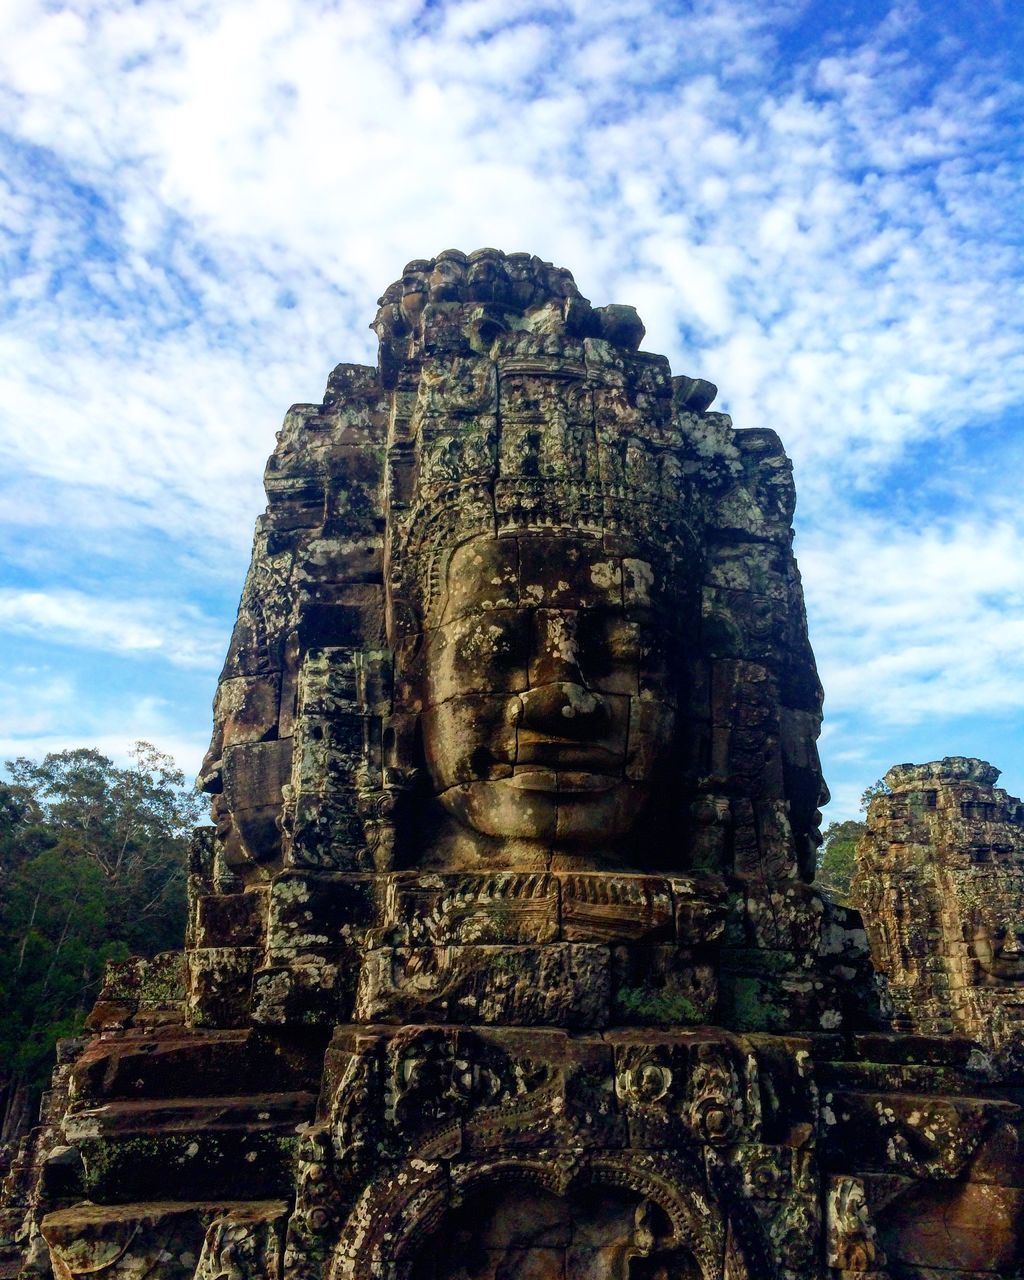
point(555, 657)
point(564, 709)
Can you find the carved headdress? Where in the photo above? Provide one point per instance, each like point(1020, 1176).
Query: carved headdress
point(519, 407)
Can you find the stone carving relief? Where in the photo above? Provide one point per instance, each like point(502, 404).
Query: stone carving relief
point(852, 1239)
point(512, 601)
point(598, 1233)
point(547, 705)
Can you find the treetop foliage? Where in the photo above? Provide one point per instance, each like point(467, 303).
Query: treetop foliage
point(837, 857)
point(879, 788)
point(92, 868)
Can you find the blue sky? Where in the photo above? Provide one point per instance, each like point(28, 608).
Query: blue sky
point(817, 206)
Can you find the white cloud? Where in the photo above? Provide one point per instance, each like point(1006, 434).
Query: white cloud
point(292, 137)
point(180, 634)
point(912, 624)
point(187, 753)
point(43, 711)
point(202, 203)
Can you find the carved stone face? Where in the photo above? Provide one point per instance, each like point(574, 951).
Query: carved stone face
point(545, 691)
point(998, 946)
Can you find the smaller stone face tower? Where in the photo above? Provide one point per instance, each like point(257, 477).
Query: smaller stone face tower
point(940, 881)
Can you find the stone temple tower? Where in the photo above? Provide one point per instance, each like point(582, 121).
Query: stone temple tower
point(940, 878)
point(503, 957)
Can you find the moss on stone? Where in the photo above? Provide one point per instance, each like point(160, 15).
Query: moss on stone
point(659, 1007)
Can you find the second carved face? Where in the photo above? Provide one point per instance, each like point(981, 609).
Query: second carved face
point(997, 944)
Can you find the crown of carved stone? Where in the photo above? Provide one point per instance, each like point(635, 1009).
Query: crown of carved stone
point(516, 406)
point(949, 769)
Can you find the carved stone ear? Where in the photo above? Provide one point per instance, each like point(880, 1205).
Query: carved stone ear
point(402, 751)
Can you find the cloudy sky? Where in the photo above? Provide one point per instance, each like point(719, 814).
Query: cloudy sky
point(816, 204)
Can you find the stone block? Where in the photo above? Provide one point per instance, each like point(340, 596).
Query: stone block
point(568, 1095)
point(962, 1226)
point(749, 567)
point(313, 914)
point(661, 985)
point(785, 917)
point(133, 1241)
point(685, 1086)
point(231, 919)
point(176, 1063)
point(220, 986)
point(605, 907)
point(327, 834)
point(255, 772)
point(777, 1003)
point(743, 625)
point(498, 560)
point(886, 1047)
point(457, 909)
point(562, 573)
point(561, 984)
point(914, 1135)
point(767, 1172)
point(247, 708)
point(453, 730)
point(300, 994)
point(199, 1161)
point(700, 904)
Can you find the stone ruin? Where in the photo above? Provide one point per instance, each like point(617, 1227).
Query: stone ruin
point(504, 958)
point(940, 881)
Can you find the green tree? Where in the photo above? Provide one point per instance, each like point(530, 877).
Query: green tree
point(879, 788)
point(92, 868)
point(837, 857)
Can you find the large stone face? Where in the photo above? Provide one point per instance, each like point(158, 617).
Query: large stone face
point(519, 601)
point(503, 958)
